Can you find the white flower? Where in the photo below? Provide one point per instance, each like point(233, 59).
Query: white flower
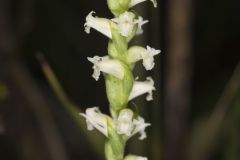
point(140, 22)
point(106, 65)
point(127, 125)
point(125, 23)
point(140, 88)
point(135, 2)
point(125, 122)
point(134, 157)
point(140, 126)
point(137, 53)
point(95, 119)
point(100, 24)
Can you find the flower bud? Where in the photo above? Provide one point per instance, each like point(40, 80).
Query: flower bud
point(118, 6)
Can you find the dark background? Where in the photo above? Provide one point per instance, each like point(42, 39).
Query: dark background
point(195, 114)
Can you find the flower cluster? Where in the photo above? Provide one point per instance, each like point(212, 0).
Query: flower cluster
point(117, 68)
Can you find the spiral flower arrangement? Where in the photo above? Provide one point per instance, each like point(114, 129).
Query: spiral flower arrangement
point(117, 68)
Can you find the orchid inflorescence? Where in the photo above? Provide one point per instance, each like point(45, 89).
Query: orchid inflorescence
point(117, 68)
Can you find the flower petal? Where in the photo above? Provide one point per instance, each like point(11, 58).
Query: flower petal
point(140, 88)
point(100, 24)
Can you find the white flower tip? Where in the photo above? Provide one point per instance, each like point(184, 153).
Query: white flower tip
point(140, 127)
point(140, 22)
point(148, 60)
point(88, 18)
point(96, 69)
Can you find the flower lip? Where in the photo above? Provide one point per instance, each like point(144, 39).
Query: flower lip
point(140, 22)
point(125, 23)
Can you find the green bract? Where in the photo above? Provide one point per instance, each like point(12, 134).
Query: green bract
point(118, 90)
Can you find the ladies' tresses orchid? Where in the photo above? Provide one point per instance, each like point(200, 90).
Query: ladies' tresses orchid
point(135, 2)
point(106, 65)
point(140, 88)
point(137, 53)
point(100, 24)
point(119, 80)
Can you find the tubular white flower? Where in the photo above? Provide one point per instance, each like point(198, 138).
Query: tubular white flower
point(125, 23)
point(127, 125)
point(140, 88)
point(137, 53)
point(106, 65)
point(140, 22)
point(100, 24)
point(134, 157)
point(125, 122)
point(95, 119)
point(135, 2)
point(140, 126)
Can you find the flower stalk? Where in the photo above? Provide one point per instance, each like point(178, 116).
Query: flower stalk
point(117, 68)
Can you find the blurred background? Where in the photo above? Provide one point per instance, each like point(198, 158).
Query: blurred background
point(45, 80)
